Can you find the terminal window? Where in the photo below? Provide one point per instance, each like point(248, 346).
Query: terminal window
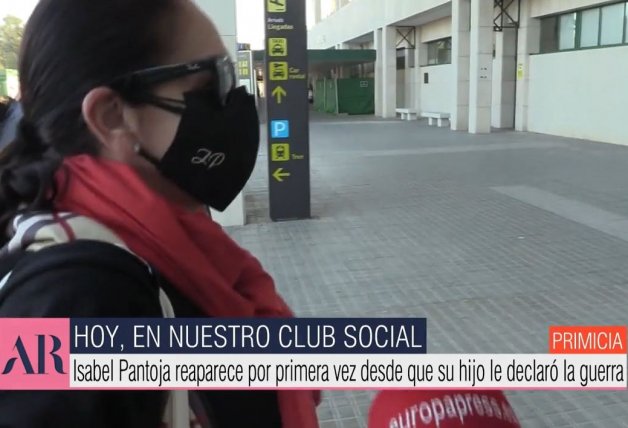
point(626, 25)
point(588, 28)
point(567, 32)
point(401, 58)
point(439, 52)
point(612, 28)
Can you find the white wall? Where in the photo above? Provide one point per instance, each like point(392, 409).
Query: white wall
point(437, 95)
point(436, 30)
point(580, 94)
point(223, 14)
point(361, 17)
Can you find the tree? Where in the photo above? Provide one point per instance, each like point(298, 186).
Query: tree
point(11, 31)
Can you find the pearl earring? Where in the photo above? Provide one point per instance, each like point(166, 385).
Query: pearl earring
point(136, 147)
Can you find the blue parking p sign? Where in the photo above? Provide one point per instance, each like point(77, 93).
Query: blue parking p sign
point(280, 129)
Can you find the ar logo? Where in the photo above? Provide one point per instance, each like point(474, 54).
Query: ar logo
point(23, 357)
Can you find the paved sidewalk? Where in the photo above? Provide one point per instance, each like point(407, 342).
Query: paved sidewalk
point(492, 238)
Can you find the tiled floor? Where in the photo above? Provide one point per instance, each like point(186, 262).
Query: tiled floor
point(492, 238)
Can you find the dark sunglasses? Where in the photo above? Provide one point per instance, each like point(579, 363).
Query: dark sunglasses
point(137, 85)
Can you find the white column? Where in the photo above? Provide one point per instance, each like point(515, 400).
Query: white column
point(409, 86)
point(334, 5)
point(481, 67)
point(223, 14)
point(389, 72)
point(317, 11)
point(528, 43)
point(420, 58)
point(343, 71)
point(460, 16)
point(504, 69)
point(379, 74)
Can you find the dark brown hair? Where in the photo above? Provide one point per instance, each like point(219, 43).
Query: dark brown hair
point(70, 47)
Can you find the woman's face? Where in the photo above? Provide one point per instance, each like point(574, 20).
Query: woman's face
point(122, 128)
point(193, 38)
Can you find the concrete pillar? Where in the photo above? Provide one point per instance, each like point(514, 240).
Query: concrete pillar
point(343, 71)
point(481, 67)
point(340, 70)
point(348, 69)
point(334, 5)
point(460, 29)
point(416, 71)
point(379, 74)
point(504, 79)
point(408, 89)
point(223, 14)
point(529, 42)
point(421, 60)
point(389, 72)
point(317, 11)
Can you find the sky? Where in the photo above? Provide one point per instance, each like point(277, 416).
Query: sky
point(250, 14)
point(20, 8)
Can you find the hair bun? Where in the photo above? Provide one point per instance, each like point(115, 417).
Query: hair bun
point(28, 133)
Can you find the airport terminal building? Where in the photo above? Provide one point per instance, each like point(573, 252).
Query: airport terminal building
point(557, 67)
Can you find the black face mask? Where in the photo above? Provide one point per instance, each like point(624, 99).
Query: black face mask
point(215, 149)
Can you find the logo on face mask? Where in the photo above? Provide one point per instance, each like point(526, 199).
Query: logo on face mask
point(208, 158)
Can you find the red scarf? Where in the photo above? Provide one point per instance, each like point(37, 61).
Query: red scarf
point(188, 248)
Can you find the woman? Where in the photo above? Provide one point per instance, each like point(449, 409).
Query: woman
point(131, 126)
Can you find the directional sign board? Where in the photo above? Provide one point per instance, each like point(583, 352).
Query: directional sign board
point(245, 71)
point(288, 110)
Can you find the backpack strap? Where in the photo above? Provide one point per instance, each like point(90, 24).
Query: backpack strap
point(47, 232)
point(17, 267)
point(178, 413)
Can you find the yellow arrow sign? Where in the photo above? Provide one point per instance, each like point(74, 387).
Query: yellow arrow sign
point(279, 175)
point(279, 93)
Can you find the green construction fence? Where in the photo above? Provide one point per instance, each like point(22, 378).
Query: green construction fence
point(345, 96)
